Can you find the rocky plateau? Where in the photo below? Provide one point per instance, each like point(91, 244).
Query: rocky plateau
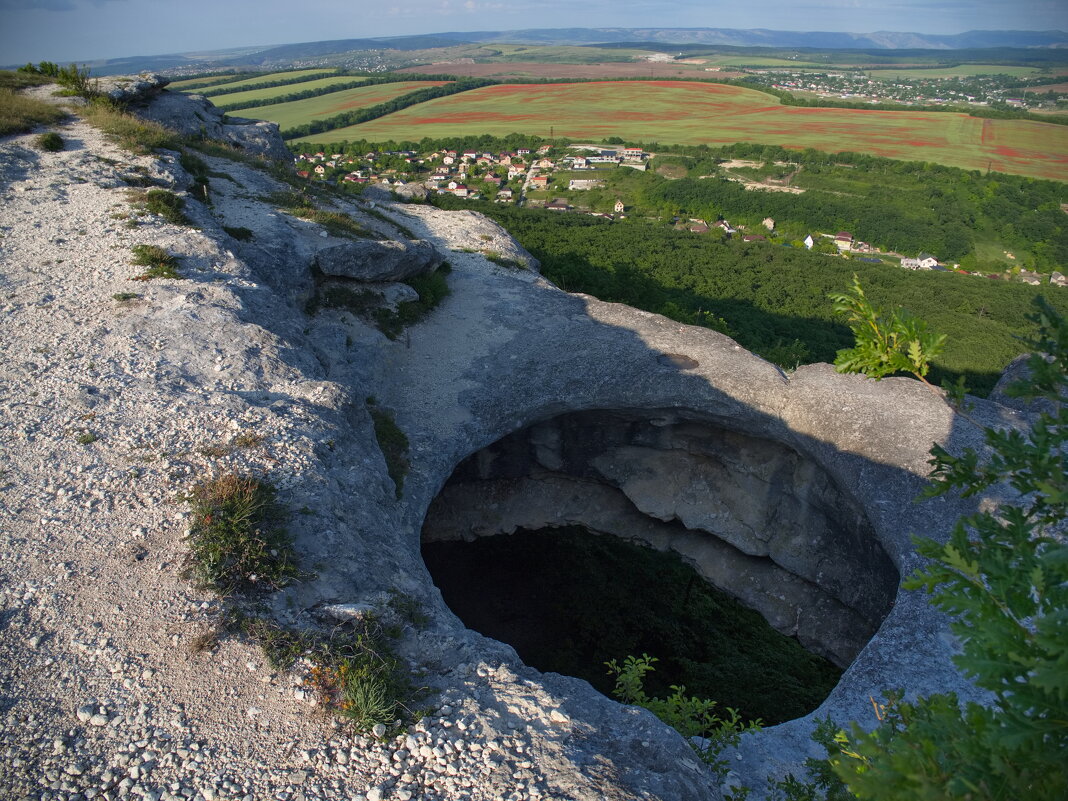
point(522, 405)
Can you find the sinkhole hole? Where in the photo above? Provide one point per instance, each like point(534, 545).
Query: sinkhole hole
point(733, 559)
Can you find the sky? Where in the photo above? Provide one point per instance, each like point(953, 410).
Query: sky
point(85, 30)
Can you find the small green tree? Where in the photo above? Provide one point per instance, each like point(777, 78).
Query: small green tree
point(1003, 577)
point(886, 343)
point(690, 716)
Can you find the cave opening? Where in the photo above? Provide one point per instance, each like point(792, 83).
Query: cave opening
point(734, 560)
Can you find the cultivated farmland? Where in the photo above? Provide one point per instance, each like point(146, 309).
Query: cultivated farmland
point(298, 112)
point(961, 71)
point(255, 95)
point(610, 69)
point(695, 113)
point(267, 76)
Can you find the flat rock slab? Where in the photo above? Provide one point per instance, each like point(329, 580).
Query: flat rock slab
point(373, 260)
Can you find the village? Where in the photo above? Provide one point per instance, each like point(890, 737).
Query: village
point(535, 178)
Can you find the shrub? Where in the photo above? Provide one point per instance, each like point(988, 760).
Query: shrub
point(159, 262)
point(885, 343)
point(237, 542)
point(51, 141)
point(691, 717)
point(75, 80)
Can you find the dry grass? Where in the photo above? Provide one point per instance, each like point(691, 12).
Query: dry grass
point(132, 133)
point(21, 114)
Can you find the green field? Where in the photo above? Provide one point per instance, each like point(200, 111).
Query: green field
point(715, 114)
point(962, 71)
point(192, 83)
point(267, 76)
point(254, 95)
point(298, 112)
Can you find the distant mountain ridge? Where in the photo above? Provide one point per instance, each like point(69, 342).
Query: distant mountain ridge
point(279, 55)
point(760, 37)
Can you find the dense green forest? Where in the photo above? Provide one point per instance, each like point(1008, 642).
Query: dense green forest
point(902, 206)
point(771, 299)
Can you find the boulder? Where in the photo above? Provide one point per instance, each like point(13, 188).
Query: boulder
point(194, 115)
point(372, 260)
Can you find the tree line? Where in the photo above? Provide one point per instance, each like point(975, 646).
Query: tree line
point(357, 116)
point(326, 90)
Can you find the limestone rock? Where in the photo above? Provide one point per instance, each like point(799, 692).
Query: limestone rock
point(194, 115)
point(131, 88)
point(372, 260)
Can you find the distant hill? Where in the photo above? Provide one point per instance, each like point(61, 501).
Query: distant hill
point(768, 38)
point(661, 38)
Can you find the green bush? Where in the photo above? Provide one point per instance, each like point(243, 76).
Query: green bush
point(51, 142)
point(689, 716)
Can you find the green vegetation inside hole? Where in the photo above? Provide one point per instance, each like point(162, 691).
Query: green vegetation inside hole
point(569, 601)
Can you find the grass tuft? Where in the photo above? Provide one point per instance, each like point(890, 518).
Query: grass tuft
point(237, 542)
point(336, 223)
point(50, 142)
point(159, 263)
point(162, 203)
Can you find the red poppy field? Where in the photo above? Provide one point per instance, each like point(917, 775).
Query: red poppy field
point(679, 112)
